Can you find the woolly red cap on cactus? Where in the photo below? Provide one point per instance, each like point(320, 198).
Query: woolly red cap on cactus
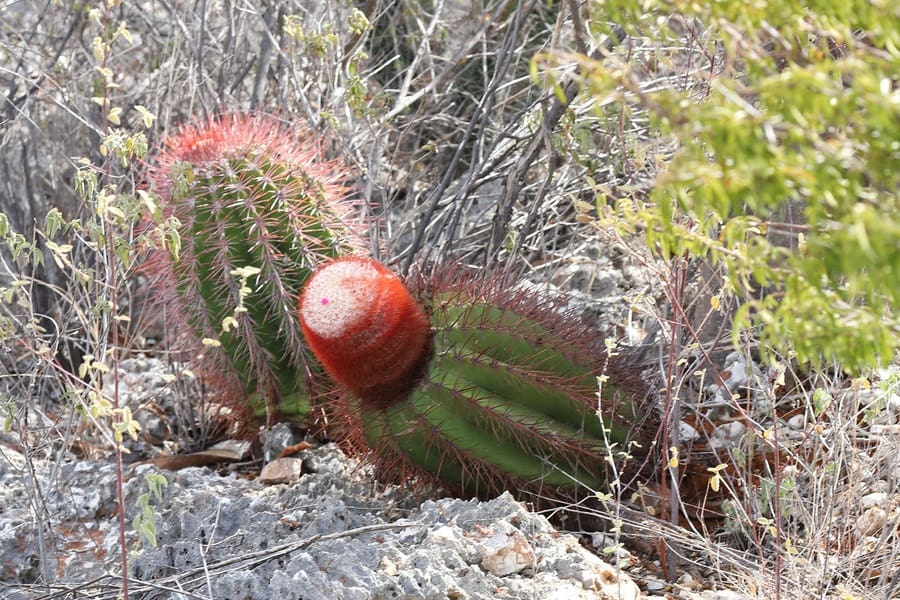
point(204, 142)
point(366, 329)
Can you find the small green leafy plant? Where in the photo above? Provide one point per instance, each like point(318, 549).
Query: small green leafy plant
point(144, 522)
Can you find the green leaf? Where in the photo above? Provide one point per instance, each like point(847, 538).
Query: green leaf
point(147, 117)
point(53, 222)
point(157, 483)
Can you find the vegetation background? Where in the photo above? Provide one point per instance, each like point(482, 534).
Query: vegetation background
point(737, 162)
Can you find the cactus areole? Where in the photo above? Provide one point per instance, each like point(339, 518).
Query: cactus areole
point(478, 388)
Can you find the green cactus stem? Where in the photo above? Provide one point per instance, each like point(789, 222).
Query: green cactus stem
point(507, 394)
point(259, 207)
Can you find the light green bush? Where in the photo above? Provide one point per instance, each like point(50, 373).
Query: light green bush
point(787, 166)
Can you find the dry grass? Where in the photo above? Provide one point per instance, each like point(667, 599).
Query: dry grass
point(460, 157)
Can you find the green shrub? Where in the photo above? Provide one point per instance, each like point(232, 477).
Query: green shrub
point(787, 165)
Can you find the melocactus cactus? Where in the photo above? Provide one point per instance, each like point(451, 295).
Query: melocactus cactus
point(259, 207)
point(482, 388)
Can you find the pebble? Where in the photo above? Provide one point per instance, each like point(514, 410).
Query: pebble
point(506, 551)
point(655, 585)
point(281, 470)
point(797, 422)
point(275, 439)
point(607, 581)
point(687, 432)
point(872, 500)
point(727, 434)
point(872, 521)
point(722, 595)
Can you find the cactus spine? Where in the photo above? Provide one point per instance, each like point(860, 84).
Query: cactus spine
point(506, 397)
point(259, 207)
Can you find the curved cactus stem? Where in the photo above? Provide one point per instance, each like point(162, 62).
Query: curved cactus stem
point(463, 432)
point(516, 356)
point(400, 434)
point(508, 398)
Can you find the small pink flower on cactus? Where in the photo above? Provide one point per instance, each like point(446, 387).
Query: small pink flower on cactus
point(366, 329)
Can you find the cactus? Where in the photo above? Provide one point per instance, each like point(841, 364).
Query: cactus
point(479, 387)
point(259, 207)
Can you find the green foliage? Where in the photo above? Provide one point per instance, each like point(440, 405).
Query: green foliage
point(318, 42)
point(87, 250)
point(91, 252)
point(787, 169)
point(144, 523)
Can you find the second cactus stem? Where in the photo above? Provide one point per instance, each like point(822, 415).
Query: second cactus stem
point(477, 387)
point(259, 208)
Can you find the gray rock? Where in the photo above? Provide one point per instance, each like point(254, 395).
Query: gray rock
point(333, 533)
point(275, 439)
point(282, 470)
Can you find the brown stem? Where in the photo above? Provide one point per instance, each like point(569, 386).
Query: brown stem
point(112, 322)
point(550, 118)
point(120, 477)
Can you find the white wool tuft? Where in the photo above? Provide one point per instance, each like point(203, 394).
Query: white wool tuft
point(338, 297)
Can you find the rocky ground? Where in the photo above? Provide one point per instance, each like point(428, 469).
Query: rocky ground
point(316, 524)
point(331, 533)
